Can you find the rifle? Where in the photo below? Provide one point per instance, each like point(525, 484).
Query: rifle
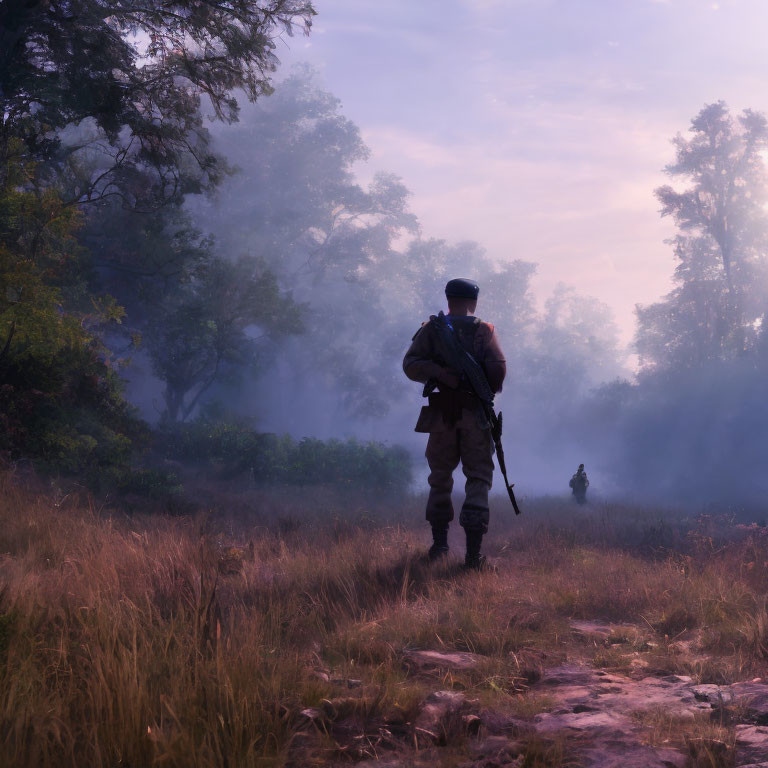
point(464, 363)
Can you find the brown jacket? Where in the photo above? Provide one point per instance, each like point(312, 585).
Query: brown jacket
point(422, 362)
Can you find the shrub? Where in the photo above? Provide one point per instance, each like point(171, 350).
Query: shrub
point(276, 460)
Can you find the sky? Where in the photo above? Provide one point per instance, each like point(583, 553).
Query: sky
point(540, 128)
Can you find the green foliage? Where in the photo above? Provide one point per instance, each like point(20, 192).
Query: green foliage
point(112, 66)
point(66, 411)
point(207, 326)
point(149, 483)
point(101, 103)
point(275, 460)
point(62, 404)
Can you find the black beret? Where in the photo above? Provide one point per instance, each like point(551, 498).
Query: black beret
point(461, 288)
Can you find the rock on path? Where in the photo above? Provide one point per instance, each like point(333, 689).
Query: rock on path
point(751, 745)
point(435, 661)
point(599, 707)
point(603, 631)
point(577, 686)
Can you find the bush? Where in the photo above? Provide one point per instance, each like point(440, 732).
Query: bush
point(275, 460)
point(67, 414)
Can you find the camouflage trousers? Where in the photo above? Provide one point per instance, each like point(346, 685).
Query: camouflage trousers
point(466, 442)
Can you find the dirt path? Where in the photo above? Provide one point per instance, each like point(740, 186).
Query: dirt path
point(609, 720)
point(577, 715)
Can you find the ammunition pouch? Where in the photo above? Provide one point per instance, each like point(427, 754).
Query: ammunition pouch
point(450, 404)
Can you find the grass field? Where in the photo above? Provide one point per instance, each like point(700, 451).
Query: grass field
point(199, 641)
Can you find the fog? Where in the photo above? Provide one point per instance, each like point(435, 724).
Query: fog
point(369, 276)
point(358, 274)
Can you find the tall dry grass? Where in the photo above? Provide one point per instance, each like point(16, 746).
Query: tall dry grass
point(139, 641)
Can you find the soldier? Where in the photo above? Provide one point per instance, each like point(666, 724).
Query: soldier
point(458, 428)
point(579, 484)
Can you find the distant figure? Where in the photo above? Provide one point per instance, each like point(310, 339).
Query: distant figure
point(458, 428)
point(579, 484)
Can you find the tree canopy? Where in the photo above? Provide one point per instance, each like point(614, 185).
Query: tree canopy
point(134, 77)
point(715, 311)
point(102, 103)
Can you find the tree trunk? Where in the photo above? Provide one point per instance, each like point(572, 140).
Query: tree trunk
point(173, 400)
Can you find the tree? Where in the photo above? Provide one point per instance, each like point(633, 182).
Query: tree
point(715, 311)
point(418, 276)
point(141, 258)
point(217, 322)
point(294, 197)
point(101, 101)
point(296, 204)
point(133, 76)
point(61, 397)
point(693, 426)
point(580, 334)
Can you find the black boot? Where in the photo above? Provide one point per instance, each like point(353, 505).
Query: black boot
point(474, 560)
point(439, 547)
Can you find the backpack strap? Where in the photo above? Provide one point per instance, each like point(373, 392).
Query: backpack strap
point(466, 333)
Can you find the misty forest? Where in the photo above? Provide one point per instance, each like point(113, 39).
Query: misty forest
point(213, 549)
